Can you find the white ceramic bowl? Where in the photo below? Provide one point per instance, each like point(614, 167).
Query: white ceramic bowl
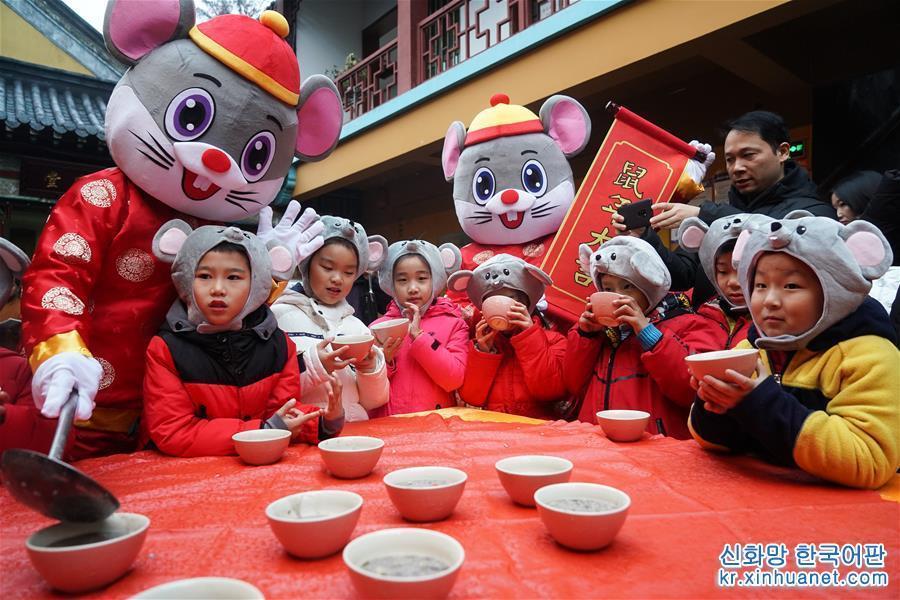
point(425, 493)
point(582, 529)
point(623, 425)
point(394, 328)
point(202, 588)
point(314, 524)
point(358, 346)
point(261, 446)
point(716, 363)
point(522, 476)
point(352, 456)
point(432, 545)
point(87, 566)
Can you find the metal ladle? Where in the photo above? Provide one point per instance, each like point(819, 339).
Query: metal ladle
point(53, 487)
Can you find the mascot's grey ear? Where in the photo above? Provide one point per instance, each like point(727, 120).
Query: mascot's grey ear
point(459, 281)
point(454, 142)
point(567, 122)
point(320, 117)
point(798, 214)
point(132, 28)
point(584, 259)
point(378, 248)
point(13, 258)
point(869, 248)
point(169, 239)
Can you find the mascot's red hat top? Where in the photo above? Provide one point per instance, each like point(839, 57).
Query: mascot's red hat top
point(255, 50)
point(500, 120)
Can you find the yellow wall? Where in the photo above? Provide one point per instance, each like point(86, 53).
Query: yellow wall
point(624, 36)
point(20, 41)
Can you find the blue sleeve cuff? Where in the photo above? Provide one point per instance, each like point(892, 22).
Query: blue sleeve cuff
point(649, 336)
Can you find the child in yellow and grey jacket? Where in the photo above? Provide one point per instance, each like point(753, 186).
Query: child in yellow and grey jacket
point(832, 403)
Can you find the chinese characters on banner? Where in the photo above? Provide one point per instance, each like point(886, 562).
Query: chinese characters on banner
point(637, 161)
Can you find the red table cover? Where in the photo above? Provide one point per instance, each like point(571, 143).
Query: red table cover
point(207, 516)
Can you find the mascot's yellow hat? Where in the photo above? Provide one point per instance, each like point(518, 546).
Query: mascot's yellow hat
point(500, 120)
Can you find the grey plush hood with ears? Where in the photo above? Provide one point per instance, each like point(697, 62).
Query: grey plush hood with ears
point(631, 259)
point(501, 271)
point(177, 243)
point(846, 259)
point(695, 236)
point(442, 261)
point(13, 263)
point(370, 250)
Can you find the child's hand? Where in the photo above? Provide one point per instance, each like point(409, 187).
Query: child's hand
point(294, 418)
point(720, 396)
point(331, 359)
point(412, 313)
point(629, 313)
point(518, 317)
point(587, 322)
point(484, 336)
point(335, 408)
point(369, 361)
point(391, 347)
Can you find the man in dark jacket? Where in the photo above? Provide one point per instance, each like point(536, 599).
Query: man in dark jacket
point(764, 180)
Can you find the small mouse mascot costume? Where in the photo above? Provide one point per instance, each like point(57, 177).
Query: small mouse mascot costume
point(512, 183)
point(203, 126)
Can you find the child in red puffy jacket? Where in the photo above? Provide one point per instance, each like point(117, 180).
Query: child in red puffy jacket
point(220, 364)
point(517, 370)
point(638, 364)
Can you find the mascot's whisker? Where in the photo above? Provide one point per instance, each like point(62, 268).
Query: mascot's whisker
point(230, 197)
point(236, 204)
point(160, 146)
point(160, 160)
point(246, 193)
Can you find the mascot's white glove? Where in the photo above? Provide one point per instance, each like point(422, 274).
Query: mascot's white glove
point(302, 237)
point(695, 169)
point(55, 379)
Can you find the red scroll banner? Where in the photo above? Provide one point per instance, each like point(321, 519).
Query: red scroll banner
point(636, 161)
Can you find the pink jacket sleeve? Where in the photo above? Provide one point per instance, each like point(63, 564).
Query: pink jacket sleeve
point(444, 363)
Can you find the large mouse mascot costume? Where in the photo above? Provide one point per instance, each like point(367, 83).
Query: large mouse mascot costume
point(202, 127)
point(512, 183)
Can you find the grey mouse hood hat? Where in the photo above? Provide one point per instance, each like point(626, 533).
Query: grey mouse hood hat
point(177, 243)
point(845, 258)
point(498, 272)
point(631, 259)
point(442, 261)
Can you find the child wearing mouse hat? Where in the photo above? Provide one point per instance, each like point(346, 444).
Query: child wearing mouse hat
point(517, 370)
point(220, 364)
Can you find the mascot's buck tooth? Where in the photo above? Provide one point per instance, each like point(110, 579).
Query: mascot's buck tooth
point(204, 125)
point(512, 183)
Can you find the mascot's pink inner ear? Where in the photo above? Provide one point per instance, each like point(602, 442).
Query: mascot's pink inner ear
point(866, 248)
point(693, 236)
point(739, 246)
point(281, 259)
point(568, 126)
point(171, 241)
point(319, 123)
point(135, 31)
point(448, 258)
point(450, 153)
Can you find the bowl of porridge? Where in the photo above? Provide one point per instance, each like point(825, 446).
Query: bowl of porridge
point(424, 494)
point(522, 476)
point(351, 456)
point(582, 516)
point(314, 524)
point(404, 563)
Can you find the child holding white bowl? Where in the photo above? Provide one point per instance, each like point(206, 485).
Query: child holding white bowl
point(428, 364)
point(220, 364)
point(321, 314)
point(516, 370)
point(637, 364)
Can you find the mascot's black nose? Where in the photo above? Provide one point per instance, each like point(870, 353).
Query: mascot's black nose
point(776, 226)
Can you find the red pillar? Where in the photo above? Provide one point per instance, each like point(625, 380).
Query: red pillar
point(409, 13)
